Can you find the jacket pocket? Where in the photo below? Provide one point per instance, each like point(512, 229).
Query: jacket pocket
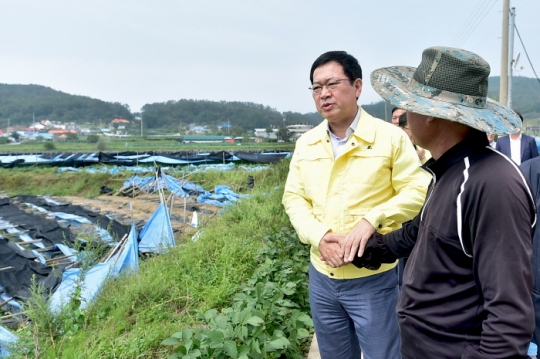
point(370, 168)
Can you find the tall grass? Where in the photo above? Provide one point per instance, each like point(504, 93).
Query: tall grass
point(134, 314)
point(49, 181)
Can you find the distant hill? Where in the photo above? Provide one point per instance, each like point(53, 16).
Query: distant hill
point(525, 95)
point(525, 98)
point(20, 103)
point(176, 115)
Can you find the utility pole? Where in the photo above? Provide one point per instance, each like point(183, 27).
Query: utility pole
point(503, 91)
point(512, 21)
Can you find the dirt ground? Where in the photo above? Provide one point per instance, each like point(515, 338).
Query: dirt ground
point(140, 208)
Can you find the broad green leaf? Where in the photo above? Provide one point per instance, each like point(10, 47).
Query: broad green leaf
point(255, 321)
point(276, 344)
point(302, 333)
point(186, 334)
point(216, 336)
point(210, 314)
point(230, 349)
point(171, 341)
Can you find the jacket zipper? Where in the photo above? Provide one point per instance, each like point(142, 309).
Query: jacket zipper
point(430, 192)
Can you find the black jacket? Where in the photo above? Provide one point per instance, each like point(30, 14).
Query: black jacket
point(467, 283)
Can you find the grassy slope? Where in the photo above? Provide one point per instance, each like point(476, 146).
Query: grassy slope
point(134, 314)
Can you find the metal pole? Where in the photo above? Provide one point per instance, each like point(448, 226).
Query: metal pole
point(503, 91)
point(512, 19)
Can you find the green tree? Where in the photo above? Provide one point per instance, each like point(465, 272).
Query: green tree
point(49, 146)
point(15, 136)
point(283, 134)
point(72, 136)
point(101, 145)
point(92, 138)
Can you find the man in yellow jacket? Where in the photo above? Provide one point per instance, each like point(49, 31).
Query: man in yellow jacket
point(351, 176)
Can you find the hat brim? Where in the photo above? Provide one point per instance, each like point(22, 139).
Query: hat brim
point(391, 83)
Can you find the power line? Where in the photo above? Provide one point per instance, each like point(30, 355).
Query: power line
point(478, 22)
point(526, 53)
point(468, 23)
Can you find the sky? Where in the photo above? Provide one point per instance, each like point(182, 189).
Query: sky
point(138, 52)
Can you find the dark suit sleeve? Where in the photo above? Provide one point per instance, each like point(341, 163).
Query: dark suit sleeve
point(533, 148)
point(498, 145)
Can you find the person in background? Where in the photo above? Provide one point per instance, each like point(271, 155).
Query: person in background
point(491, 139)
point(518, 146)
point(468, 280)
point(422, 153)
point(531, 170)
point(350, 176)
point(396, 112)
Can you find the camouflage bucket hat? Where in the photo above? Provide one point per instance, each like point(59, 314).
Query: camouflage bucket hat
point(449, 83)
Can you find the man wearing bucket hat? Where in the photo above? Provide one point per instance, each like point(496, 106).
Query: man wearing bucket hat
point(467, 284)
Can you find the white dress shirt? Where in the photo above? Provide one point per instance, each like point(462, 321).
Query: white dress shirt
point(515, 149)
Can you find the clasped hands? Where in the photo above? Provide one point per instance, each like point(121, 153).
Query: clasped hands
point(338, 249)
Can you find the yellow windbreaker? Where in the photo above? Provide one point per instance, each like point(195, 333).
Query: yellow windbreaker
point(378, 177)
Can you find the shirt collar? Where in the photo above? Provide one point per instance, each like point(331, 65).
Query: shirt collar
point(517, 139)
point(351, 128)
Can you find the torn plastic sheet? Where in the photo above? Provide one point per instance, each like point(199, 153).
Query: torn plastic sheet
point(74, 221)
point(128, 258)
point(91, 286)
point(6, 338)
point(223, 195)
point(157, 235)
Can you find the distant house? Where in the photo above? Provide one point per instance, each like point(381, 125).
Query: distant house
point(119, 126)
point(261, 133)
point(296, 131)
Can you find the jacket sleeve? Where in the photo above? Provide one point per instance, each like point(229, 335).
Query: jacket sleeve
point(502, 246)
point(299, 208)
point(401, 242)
point(410, 183)
point(533, 148)
point(387, 248)
point(498, 145)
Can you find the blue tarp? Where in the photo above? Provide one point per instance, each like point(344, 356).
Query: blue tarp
point(91, 286)
point(222, 196)
point(95, 278)
point(153, 184)
point(6, 337)
point(128, 258)
point(157, 235)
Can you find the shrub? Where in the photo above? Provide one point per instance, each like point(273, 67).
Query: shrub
point(72, 136)
point(49, 146)
point(92, 138)
point(101, 145)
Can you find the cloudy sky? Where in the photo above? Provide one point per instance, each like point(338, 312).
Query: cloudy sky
point(137, 52)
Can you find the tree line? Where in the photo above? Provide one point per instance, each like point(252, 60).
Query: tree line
point(21, 103)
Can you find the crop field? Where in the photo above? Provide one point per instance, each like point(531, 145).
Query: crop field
point(238, 291)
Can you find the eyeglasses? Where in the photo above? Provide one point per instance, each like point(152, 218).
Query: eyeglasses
point(331, 84)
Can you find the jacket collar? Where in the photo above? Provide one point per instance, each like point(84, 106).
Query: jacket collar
point(474, 142)
point(365, 129)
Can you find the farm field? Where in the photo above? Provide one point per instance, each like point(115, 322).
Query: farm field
point(192, 288)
